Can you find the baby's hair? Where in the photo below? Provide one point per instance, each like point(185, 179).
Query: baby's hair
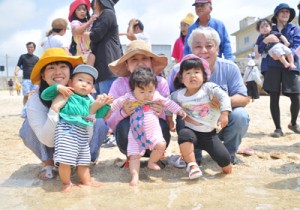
point(261, 21)
point(186, 65)
point(142, 77)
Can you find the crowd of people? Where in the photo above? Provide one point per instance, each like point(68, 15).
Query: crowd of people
point(90, 88)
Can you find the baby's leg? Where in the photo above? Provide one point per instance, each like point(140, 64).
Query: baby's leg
point(65, 177)
point(134, 167)
point(284, 61)
point(290, 58)
point(85, 176)
point(156, 155)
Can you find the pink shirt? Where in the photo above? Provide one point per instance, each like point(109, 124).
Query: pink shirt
point(178, 49)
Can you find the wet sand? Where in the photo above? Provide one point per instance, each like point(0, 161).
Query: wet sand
point(268, 180)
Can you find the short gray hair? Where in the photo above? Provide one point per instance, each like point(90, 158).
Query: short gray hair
point(207, 32)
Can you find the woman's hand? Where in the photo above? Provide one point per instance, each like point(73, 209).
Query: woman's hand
point(58, 102)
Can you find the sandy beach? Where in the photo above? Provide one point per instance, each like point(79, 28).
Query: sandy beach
point(270, 179)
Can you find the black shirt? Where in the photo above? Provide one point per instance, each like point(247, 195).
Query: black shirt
point(26, 63)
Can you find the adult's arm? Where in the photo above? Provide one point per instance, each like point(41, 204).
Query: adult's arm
point(130, 30)
point(239, 100)
point(226, 45)
point(42, 120)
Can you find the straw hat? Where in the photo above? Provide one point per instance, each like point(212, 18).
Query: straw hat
point(49, 56)
point(119, 68)
point(76, 4)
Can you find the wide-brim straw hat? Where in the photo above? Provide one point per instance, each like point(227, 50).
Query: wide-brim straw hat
point(159, 62)
point(49, 56)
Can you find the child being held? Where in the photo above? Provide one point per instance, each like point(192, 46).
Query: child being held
point(278, 50)
point(74, 129)
point(197, 97)
point(145, 131)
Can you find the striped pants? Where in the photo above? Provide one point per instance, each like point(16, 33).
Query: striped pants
point(71, 144)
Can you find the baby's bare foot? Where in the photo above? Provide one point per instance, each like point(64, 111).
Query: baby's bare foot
point(293, 66)
point(134, 181)
point(153, 166)
point(68, 187)
point(93, 184)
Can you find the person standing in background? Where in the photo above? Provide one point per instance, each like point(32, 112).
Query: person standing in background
point(279, 79)
point(135, 31)
point(178, 49)
point(105, 42)
point(252, 79)
point(55, 37)
point(10, 84)
point(203, 9)
point(26, 63)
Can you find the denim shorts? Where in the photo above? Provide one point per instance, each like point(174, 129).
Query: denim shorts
point(27, 86)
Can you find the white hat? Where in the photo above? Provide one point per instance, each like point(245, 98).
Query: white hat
point(251, 63)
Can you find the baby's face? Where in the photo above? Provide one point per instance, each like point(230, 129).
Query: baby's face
point(82, 83)
point(144, 94)
point(265, 28)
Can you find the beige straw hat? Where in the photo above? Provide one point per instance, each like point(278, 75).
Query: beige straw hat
point(119, 68)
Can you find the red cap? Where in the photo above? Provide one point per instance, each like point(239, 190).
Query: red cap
point(201, 2)
point(75, 4)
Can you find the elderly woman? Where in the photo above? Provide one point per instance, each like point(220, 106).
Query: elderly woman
point(204, 42)
point(279, 79)
point(138, 54)
point(55, 66)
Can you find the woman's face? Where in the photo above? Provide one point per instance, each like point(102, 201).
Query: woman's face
point(283, 16)
point(184, 28)
point(138, 60)
point(56, 73)
point(205, 48)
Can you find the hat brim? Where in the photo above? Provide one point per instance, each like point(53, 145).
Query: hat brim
point(36, 71)
point(119, 68)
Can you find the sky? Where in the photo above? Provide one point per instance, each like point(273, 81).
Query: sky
point(24, 21)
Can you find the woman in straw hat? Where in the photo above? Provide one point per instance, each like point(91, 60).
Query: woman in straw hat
point(55, 66)
point(138, 54)
point(178, 49)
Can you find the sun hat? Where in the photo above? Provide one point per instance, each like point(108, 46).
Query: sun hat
point(76, 4)
point(159, 62)
point(204, 63)
point(59, 23)
point(84, 68)
point(251, 63)
point(201, 2)
point(49, 56)
point(189, 19)
point(280, 7)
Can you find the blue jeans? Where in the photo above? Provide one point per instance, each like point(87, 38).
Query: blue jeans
point(103, 87)
point(45, 153)
point(232, 134)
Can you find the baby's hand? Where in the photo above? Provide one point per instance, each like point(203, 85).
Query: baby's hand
point(182, 114)
point(109, 99)
point(223, 119)
point(65, 91)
